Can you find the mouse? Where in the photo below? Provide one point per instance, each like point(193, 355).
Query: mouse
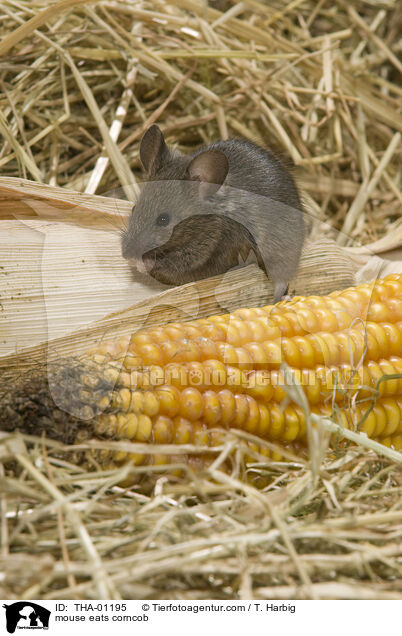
point(203, 214)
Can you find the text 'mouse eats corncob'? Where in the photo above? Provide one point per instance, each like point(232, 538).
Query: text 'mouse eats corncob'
point(181, 383)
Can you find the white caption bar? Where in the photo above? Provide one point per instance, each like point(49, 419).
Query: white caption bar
point(186, 617)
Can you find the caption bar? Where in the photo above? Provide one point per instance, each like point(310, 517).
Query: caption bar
point(128, 617)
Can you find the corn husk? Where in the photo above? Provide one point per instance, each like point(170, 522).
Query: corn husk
point(59, 279)
point(81, 81)
point(65, 285)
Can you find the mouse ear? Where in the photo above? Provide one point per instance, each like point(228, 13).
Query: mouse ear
point(153, 150)
point(210, 169)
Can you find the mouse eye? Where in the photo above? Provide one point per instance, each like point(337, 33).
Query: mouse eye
point(163, 219)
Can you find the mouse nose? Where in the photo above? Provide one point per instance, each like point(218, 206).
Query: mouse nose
point(142, 264)
point(127, 252)
point(131, 249)
point(138, 264)
point(134, 257)
point(134, 252)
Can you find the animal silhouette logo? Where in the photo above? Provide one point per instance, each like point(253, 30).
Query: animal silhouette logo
point(26, 615)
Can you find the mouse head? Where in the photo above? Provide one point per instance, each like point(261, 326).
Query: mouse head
point(177, 189)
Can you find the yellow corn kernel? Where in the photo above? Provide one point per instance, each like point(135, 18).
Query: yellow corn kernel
point(394, 416)
point(131, 361)
point(151, 353)
point(277, 421)
point(191, 404)
point(238, 332)
point(112, 424)
point(312, 386)
point(237, 379)
point(273, 353)
point(326, 319)
point(397, 365)
point(158, 459)
point(277, 384)
point(101, 424)
point(137, 402)
point(306, 350)
point(280, 319)
point(242, 410)
point(292, 424)
point(253, 419)
point(228, 405)
point(395, 308)
point(163, 430)
point(264, 421)
point(258, 385)
point(397, 442)
point(332, 352)
point(175, 375)
point(307, 319)
point(137, 458)
point(120, 456)
point(394, 337)
point(390, 387)
point(128, 426)
point(121, 400)
point(369, 425)
point(378, 312)
point(183, 430)
point(320, 348)
point(293, 319)
point(207, 348)
point(291, 353)
point(144, 430)
point(169, 400)
point(197, 375)
point(201, 435)
point(177, 383)
point(215, 437)
point(376, 373)
point(380, 419)
point(212, 408)
point(215, 372)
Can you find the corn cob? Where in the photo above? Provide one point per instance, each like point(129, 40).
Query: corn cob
point(181, 383)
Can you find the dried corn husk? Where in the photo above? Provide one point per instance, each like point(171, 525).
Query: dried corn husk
point(24, 199)
point(65, 285)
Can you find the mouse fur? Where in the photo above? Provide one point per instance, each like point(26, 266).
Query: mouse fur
point(203, 214)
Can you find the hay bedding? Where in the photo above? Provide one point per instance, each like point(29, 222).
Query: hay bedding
point(80, 81)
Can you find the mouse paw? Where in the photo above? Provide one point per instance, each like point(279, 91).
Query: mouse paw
point(281, 292)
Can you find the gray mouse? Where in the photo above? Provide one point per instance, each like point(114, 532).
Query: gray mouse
point(202, 214)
